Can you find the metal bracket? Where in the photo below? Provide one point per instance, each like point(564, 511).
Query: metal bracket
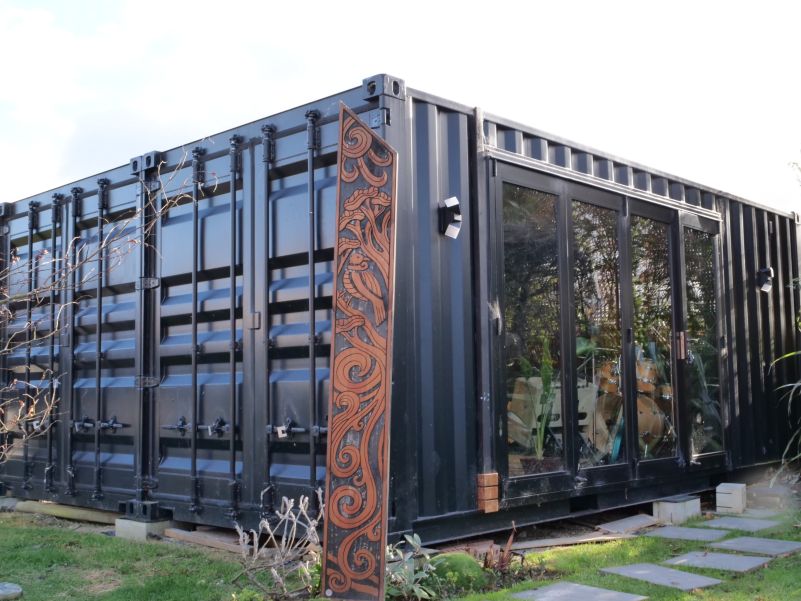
point(181, 426)
point(77, 204)
point(83, 425)
point(198, 167)
point(102, 194)
point(312, 131)
point(147, 283)
point(113, 424)
point(218, 427)
point(33, 215)
point(268, 143)
point(146, 381)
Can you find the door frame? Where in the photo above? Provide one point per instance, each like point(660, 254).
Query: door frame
point(716, 459)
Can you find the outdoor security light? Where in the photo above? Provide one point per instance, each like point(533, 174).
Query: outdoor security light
point(765, 279)
point(450, 217)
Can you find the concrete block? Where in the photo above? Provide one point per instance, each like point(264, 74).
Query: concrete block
point(8, 503)
point(133, 530)
point(677, 510)
point(730, 497)
point(777, 496)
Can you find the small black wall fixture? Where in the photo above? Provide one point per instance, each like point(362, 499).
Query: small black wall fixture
point(765, 279)
point(450, 217)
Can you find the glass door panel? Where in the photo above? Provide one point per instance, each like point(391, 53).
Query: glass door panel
point(531, 314)
point(598, 376)
point(702, 368)
point(652, 337)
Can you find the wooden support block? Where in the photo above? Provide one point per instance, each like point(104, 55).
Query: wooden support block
point(488, 506)
point(216, 540)
point(489, 479)
point(67, 512)
point(730, 497)
point(487, 493)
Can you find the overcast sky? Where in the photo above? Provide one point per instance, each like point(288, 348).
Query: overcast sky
point(709, 91)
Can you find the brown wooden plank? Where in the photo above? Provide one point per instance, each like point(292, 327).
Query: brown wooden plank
point(215, 540)
point(592, 537)
point(488, 479)
point(357, 479)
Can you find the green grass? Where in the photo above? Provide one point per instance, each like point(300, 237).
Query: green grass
point(53, 562)
point(779, 581)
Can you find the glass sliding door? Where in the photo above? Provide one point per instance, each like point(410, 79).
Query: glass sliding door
point(600, 416)
point(700, 340)
point(532, 347)
point(652, 321)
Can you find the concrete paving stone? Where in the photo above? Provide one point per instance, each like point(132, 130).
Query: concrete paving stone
point(718, 561)
point(654, 574)
point(760, 513)
point(9, 590)
point(747, 524)
point(762, 546)
point(687, 533)
point(629, 524)
point(568, 591)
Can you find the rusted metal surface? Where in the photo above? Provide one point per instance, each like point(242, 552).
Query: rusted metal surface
point(357, 483)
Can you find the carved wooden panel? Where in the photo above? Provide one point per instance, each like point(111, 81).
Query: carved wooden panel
point(361, 366)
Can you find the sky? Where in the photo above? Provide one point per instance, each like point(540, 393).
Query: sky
point(708, 91)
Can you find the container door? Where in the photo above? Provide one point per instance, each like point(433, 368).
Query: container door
point(534, 450)
point(654, 289)
point(600, 289)
point(699, 343)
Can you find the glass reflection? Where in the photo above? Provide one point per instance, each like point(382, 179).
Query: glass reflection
point(598, 341)
point(531, 315)
point(701, 375)
point(653, 332)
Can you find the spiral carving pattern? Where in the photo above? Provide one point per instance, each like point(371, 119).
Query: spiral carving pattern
point(361, 359)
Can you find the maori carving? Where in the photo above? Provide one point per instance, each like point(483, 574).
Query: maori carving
point(361, 361)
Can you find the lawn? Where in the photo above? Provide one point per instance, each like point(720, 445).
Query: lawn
point(50, 559)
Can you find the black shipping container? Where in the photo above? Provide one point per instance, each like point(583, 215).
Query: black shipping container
point(598, 333)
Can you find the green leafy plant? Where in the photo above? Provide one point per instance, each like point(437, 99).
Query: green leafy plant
point(409, 571)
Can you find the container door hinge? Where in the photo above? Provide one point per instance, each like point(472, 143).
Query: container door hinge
point(378, 117)
point(146, 381)
point(253, 320)
point(147, 283)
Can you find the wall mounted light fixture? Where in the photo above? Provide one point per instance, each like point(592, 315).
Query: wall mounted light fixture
point(765, 279)
point(450, 217)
